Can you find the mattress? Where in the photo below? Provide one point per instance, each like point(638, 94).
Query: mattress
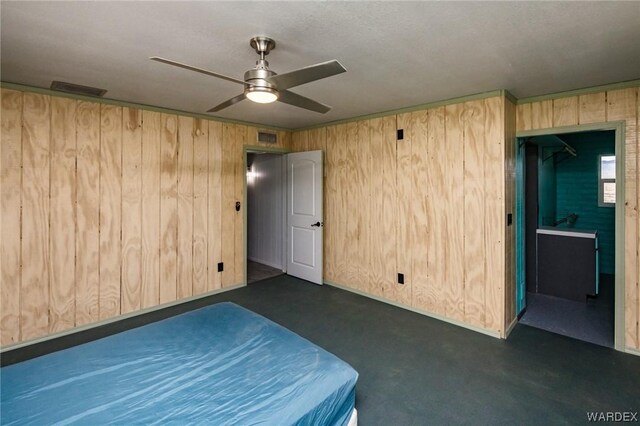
point(221, 364)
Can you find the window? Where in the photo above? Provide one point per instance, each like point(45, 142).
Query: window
point(607, 181)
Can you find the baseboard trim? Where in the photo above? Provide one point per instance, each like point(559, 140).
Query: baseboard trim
point(106, 322)
point(632, 351)
point(510, 328)
point(491, 333)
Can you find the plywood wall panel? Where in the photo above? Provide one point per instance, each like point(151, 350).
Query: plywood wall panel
point(220, 247)
point(238, 218)
point(10, 197)
point(473, 120)
point(350, 192)
point(150, 278)
point(300, 141)
point(404, 216)
point(337, 135)
point(437, 188)
point(168, 208)
point(131, 267)
point(494, 224)
point(62, 243)
point(621, 105)
point(228, 203)
point(592, 108)
point(542, 114)
point(421, 189)
point(509, 234)
point(389, 194)
point(363, 198)
point(87, 213)
point(317, 139)
point(110, 210)
point(565, 111)
point(34, 319)
point(523, 117)
point(185, 215)
point(201, 208)
point(376, 179)
point(454, 220)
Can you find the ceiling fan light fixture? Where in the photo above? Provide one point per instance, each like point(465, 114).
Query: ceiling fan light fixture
point(261, 95)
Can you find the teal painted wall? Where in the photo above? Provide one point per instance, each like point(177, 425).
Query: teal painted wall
point(577, 191)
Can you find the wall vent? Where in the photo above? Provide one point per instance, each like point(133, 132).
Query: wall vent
point(77, 89)
point(267, 137)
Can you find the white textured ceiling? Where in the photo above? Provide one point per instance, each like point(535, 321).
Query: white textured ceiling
point(397, 54)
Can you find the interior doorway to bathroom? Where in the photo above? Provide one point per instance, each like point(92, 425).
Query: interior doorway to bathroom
point(568, 184)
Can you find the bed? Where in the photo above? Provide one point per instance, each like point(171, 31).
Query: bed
point(221, 364)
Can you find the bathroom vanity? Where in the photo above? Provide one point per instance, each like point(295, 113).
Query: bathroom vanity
point(567, 262)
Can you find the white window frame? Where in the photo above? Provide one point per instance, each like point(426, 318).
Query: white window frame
point(602, 181)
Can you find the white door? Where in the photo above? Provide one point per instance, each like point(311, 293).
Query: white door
point(304, 215)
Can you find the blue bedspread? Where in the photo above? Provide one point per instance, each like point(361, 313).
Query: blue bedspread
point(219, 365)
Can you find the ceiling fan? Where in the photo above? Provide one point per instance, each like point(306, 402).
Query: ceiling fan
point(265, 86)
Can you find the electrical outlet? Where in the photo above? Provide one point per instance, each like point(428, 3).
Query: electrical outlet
point(220, 267)
point(400, 278)
point(400, 134)
point(509, 219)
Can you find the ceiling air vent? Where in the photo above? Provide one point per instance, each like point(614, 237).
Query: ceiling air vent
point(77, 89)
point(267, 137)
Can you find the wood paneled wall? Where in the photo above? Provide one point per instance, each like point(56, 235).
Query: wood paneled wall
point(107, 210)
point(430, 206)
point(601, 107)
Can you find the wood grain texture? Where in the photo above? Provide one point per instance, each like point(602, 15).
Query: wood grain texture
point(228, 203)
point(454, 220)
point(352, 216)
point(437, 188)
point(110, 210)
point(621, 105)
point(473, 120)
point(510, 234)
point(186, 213)
point(218, 238)
point(62, 245)
point(238, 219)
point(131, 267)
point(523, 117)
point(317, 140)
point(494, 223)
point(34, 311)
point(10, 197)
point(389, 194)
point(421, 189)
point(363, 198)
point(150, 281)
point(542, 114)
point(337, 137)
point(565, 111)
point(330, 206)
point(200, 205)
point(592, 108)
point(88, 213)
point(300, 141)
point(376, 179)
point(404, 216)
point(168, 208)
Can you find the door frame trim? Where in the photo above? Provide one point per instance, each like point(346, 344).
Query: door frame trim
point(619, 129)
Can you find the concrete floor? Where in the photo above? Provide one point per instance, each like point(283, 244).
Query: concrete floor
point(258, 271)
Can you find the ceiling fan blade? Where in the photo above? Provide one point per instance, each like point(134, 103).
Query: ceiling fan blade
point(302, 102)
point(306, 75)
point(196, 69)
point(227, 103)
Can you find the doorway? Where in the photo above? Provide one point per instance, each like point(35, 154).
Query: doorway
point(569, 234)
point(266, 219)
point(284, 220)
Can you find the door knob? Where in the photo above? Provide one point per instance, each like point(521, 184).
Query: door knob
point(316, 224)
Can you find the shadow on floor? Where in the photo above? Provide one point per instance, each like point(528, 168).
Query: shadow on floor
point(258, 272)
